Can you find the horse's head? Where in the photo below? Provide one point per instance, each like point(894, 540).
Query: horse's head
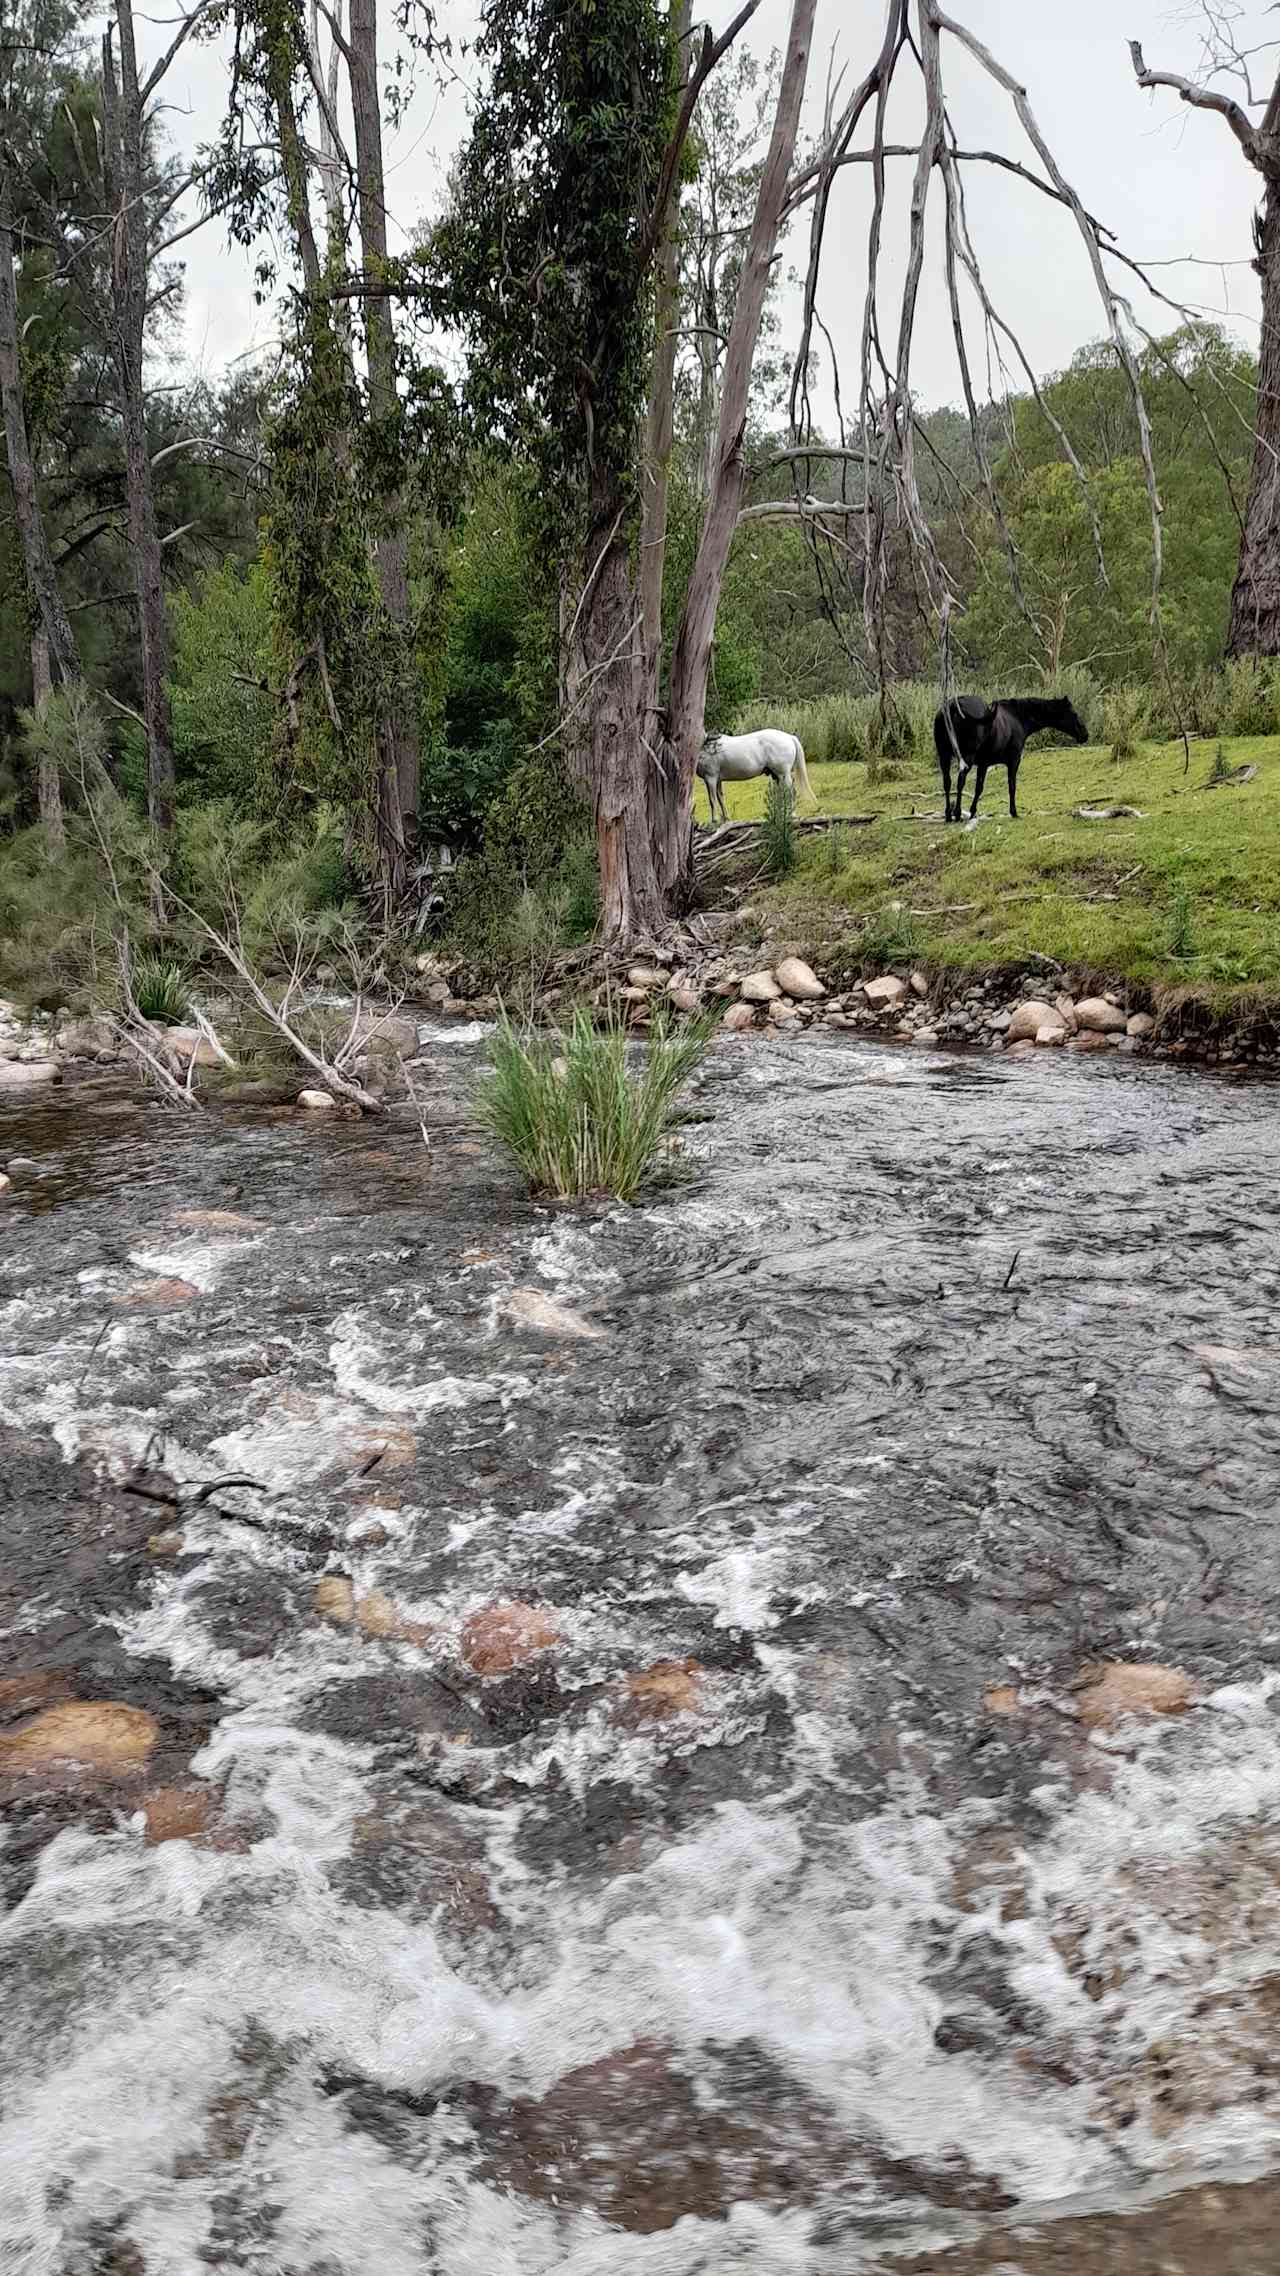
point(1063, 714)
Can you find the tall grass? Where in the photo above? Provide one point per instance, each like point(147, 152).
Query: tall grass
point(161, 989)
point(1125, 718)
point(575, 1116)
point(779, 832)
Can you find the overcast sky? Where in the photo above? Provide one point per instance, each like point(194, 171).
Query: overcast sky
point(1172, 183)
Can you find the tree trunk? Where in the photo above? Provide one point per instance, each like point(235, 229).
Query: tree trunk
point(48, 785)
point(602, 727)
point(1255, 599)
point(398, 739)
point(53, 623)
point(691, 661)
point(125, 178)
point(659, 437)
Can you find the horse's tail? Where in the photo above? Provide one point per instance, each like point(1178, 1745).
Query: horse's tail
point(803, 772)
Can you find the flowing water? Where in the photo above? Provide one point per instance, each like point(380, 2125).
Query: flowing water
point(788, 1912)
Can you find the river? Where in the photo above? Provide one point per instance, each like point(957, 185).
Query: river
point(802, 1907)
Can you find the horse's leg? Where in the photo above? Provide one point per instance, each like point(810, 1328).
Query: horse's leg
point(979, 787)
point(710, 785)
point(1013, 788)
point(962, 776)
point(724, 811)
point(945, 766)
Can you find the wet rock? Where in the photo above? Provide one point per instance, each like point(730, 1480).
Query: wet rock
point(89, 1734)
point(669, 1687)
point(1130, 1687)
point(530, 1308)
point(1098, 1017)
point(927, 1036)
point(21, 1166)
point(335, 1599)
point(500, 1637)
point(25, 1074)
point(782, 1013)
point(170, 1543)
point(217, 1221)
point(1086, 1041)
point(318, 1101)
point(1001, 1699)
point(1051, 1034)
point(6, 1183)
point(799, 980)
point(759, 988)
point(378, 1616)
point(1027, 1020)
point(1140, 1024)
point(177, 1813)
point(390, 1034)
point(886, 992)
point(160, 1295)
point(738, 1017)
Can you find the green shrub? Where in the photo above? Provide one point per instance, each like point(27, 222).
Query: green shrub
point(1181, 937)
point(1125, 716)
point(779, 830)
point(574, 1116)
point(160, 989)
point(1221, 770)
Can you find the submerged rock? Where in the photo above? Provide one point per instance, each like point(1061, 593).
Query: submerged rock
point(530, 1308)
point(500, 1637)
point(160, 1295)
point(177, 1813)
point(335, 1598)
point(669, 1687)
point(93, 1734)
point(1133, 1687)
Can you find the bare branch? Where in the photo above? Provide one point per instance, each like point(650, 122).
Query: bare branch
point(711, 52)
point(1204, 99)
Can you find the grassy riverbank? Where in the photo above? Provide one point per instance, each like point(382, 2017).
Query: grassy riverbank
point(1184, 895)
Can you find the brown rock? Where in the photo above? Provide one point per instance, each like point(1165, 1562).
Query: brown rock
point(738, 1017)
point(1099, 1017)
point(177, 1813)
point(1051, 1033)
point(187, 1045)
point(919, 984)
point(159, 1295)
point(885, 992)
point(669, 1687)
point(170, 1543)
point(1001, 1699)
point(1086, 1041)
point(500, 1637)
point(93, 1734)
point(23, 1694)
point(1140, 1024)
point(644, 977)
point(759, 988)
point(377, 1616)
point(1132, 1687)
point(382, 1446)
point(1029, 1018)
point(335, 1599)
point(799, 980)
point(684, 996)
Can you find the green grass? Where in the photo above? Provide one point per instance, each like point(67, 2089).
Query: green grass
point(576, 1117)
point(1188, 895)
point(161, 989)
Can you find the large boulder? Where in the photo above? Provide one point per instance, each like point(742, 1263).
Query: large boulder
point(798, 980)
point(1140, 1025)
point(388, 1033)
point(1099, 1017)
point(884, 993)
point(1027, 1020)
point(24, 1074)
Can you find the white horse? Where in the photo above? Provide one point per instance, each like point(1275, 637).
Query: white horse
point(740, 758)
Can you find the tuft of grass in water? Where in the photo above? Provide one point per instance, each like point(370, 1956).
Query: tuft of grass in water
point(1181, 941)
point(576, 1117)
point(161, 990)
point(1221, 770)
point(779, 831)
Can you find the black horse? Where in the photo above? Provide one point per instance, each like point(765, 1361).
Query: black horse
point(981, 735)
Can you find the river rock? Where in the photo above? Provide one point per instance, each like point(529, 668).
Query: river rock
point(91, 1038)
point(919, 984)
point(93, 1734)
point(738, 1017)
point(798, 980)
point(683, 994)
point(24, 1074)
point(886, 992)
point(669, 1687)
point(1099, 1017)
point(217, 1221)
point(177, 1813)
point(161, 1295)
point(1027, 1020)
point(926, 1035)
point(781, 1012)
point(1140, 1024)
point(500, 1637)
point(318, 1101)
point(6, 1183)
point(759, 988)
point(1086, 1041)
point(533, 1308)
point(1053, 1032)
point(378, 1617)
point(1125, 1687)
point(188, 1046)
point(335, 1599)
point(392, 1034)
